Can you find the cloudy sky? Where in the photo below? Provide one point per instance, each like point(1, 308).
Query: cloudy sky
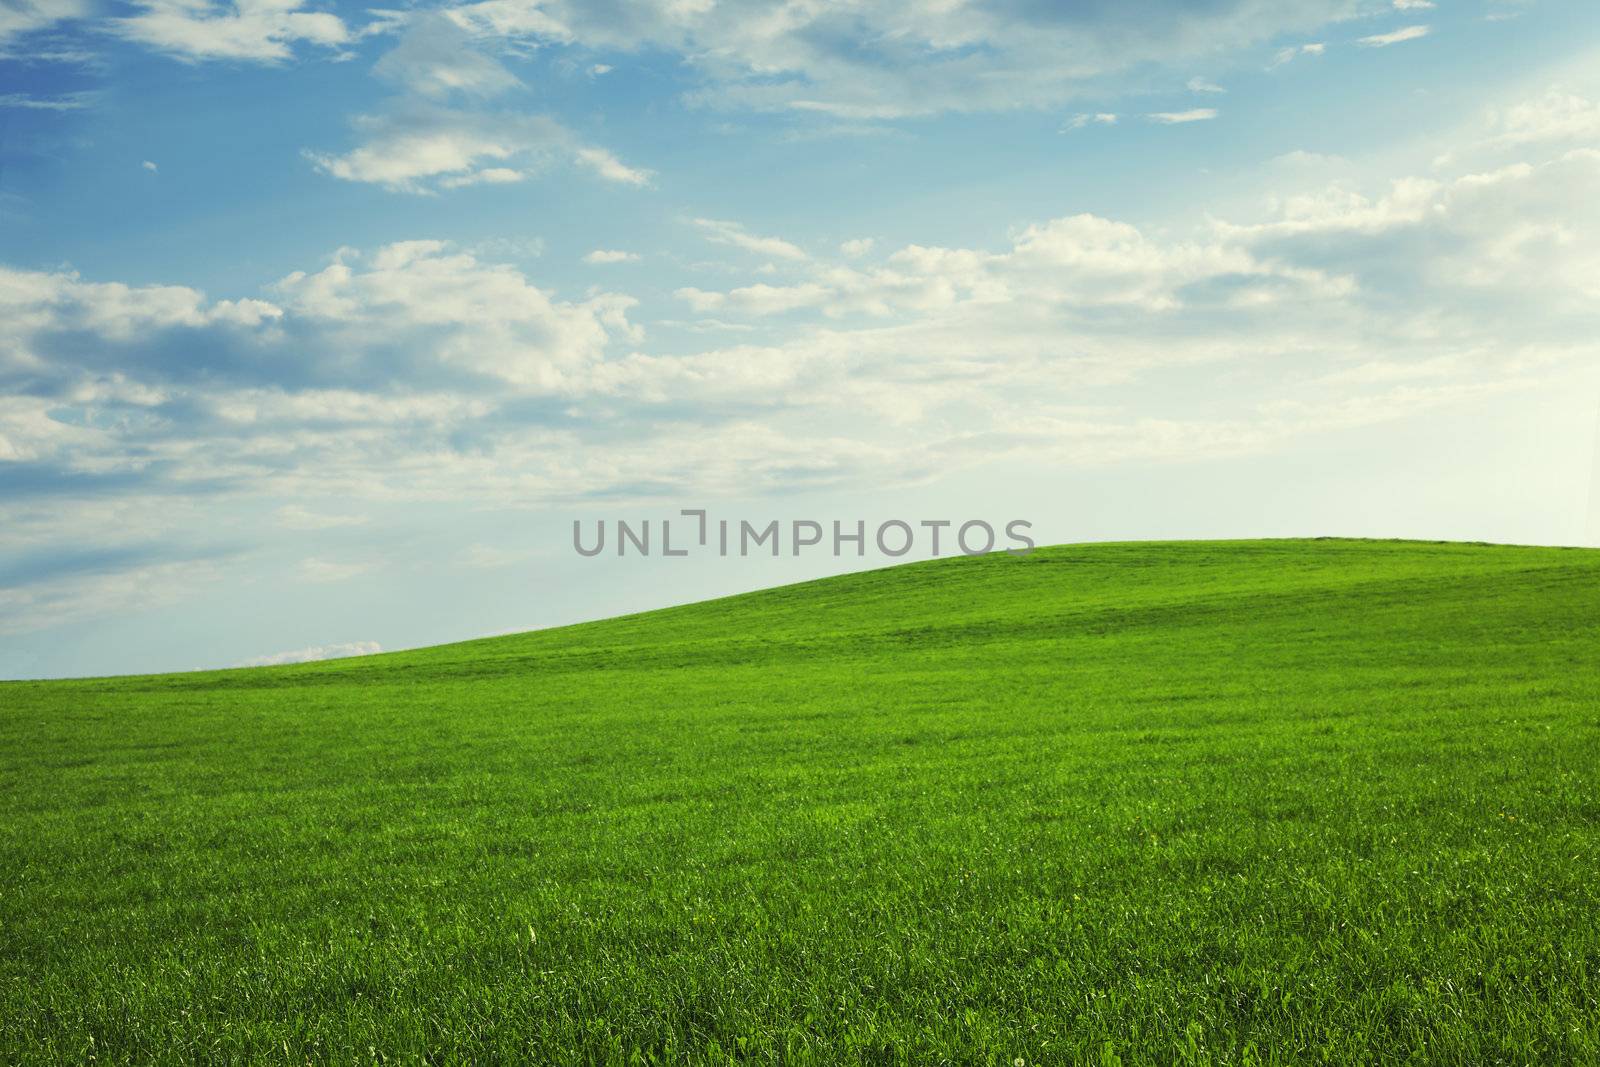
point(321, 323)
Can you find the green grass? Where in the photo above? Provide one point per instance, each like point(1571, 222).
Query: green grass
point(1293, 801)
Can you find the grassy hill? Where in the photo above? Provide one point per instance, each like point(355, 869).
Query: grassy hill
point(1287, 801)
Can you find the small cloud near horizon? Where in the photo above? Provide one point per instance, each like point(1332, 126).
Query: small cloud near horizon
point(1284, 55)
point(1174, 118)
point(1078, 122)
point(314, 654)
point(1384, 40)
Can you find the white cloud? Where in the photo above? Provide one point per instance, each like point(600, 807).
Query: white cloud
point(315, 654)
point(1204, 85)
point(757, 299)
point(610, 255)
point(408, 153)
point(1080, 261)
point(19, 17)
point(427, 149)
point(149, 166)
point(486, 176)
point(435, 58)
point(1284, 55)
point(856, 247)
point(1170, 118)
point(1556, 116)
point(510, 18)
point(1480, 244)
point(1079, 121)
point(1413, 5)
point(262, 31)
point(487, 318)
point(735, 235)
point(115, 311)
point(1384, 40)
point(611, 168)
point(28, 102)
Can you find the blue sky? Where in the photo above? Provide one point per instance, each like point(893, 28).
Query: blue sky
point(319, 325)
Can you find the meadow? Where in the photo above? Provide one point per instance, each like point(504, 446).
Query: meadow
point(1226, 802)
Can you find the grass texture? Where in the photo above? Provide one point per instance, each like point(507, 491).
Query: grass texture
point(1242, 802)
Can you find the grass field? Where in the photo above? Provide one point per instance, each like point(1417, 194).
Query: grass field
point(1252, 802)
